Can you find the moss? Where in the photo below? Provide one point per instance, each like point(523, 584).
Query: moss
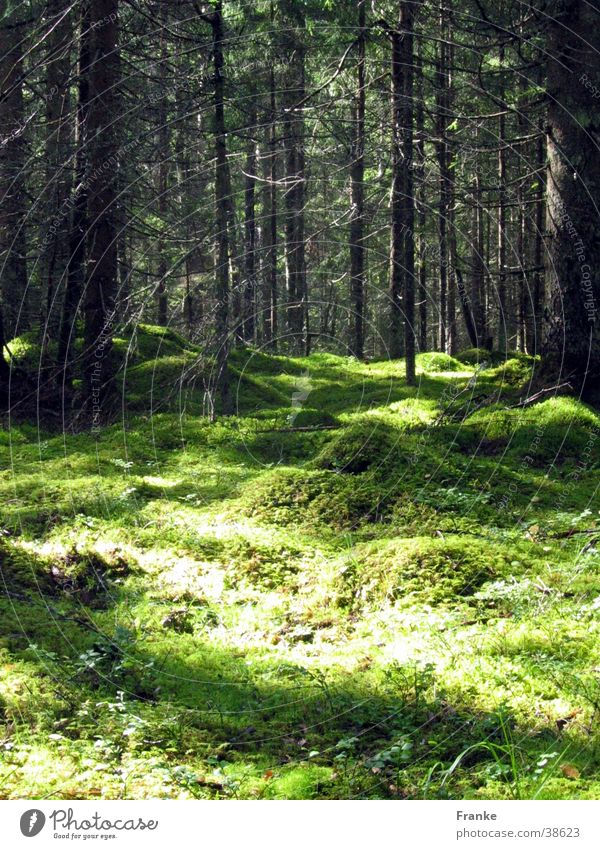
point(474, 356)
point(207, 609)
point(436, 362)
point(482, 356)
point(309, 417)
point(25, 350)
point(22, 571)
point(514, 372)
point(361, 446)
point(150, 342)
point(161, 382)
point(317, 497)
point(264, 566)
point(90, 575)
point(252, 394)
point(556, 430)
point(435, 569)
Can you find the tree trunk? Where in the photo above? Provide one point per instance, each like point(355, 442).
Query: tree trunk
point(572, 345)
point(408, 15)
point(249, 287)
point(454, 274)
point(357, 175)
point(56, 154)
point(270, 325)
point(162, 174)
point(222, 202)
point(13, 262)
point(293, 131)
point(523, 260)
point(421, 244)
point(537, 329)
point(101, 176)
point(78, 202)
point(442, 120)
point(478, 267)
point(4, 366)
point(396, 339)
point(402, 248)
point(504, 322)
point(460, 288)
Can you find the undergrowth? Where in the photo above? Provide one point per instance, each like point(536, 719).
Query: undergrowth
point(338, 592)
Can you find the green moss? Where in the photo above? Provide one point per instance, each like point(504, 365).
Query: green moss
point(25, 350)
point(229, 609)
point(514, 372)
point(555, 430)
point(253, 394)
point(474, 356)
point(317, 497)
point(365, 445)
point(436, 362)
point(260, 565)
point(151, 342)
point(435, 569)
point(22, 571)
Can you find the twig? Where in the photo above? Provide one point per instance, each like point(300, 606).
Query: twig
point(533, 398)
point(304, 429)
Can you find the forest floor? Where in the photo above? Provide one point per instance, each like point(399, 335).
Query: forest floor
point(397, 605)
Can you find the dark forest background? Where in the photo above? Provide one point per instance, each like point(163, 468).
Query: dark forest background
point(373, 178)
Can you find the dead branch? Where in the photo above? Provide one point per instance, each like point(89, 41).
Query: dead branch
point(525, 402)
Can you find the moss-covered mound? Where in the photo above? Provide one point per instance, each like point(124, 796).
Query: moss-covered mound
point(557, 430)
point(514, 372)
point(480, 356)
point(364, 445)
point(435, 362)
point(151, 341)
point(474, 356)
point(432, 569)
point(316, 497)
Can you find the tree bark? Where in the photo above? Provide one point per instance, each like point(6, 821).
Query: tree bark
point(534, 344)
point(478, 267)
point(396, 339)
point(572, 345)
point(54, 246)
point(162, 175)
point(293, 132)
point(454, 274)
point(249, 287)
point(408, 16)
point(402, 247)
point(357, 176)
point(504, 319)
point(101, 176)
point(271, 297)
point(78, 224)
point(442, 119)
point(222, 204)
point(421, 245)
point(4, 366)
point(13, 261)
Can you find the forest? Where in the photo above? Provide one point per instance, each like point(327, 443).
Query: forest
point(299, 399)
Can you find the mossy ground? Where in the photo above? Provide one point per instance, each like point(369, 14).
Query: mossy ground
point(391, 605)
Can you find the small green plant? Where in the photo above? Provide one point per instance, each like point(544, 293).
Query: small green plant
point(506, 766)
